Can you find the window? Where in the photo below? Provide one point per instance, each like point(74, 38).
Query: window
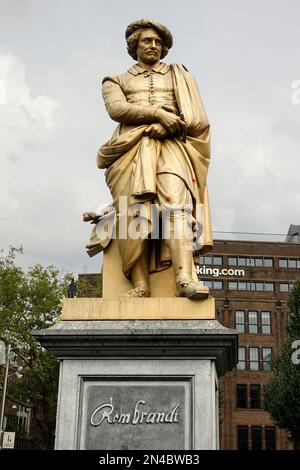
point(254, 362)
point(253, 286)
point(253, 324)
point(241, 395)
point(213, 284)
point(292, 263)
point(249, 261)
point(255, 396)
point(241, 358)
point(268, 262)
point(283, 263)
point(212, 260)
point(270, 437)
point(266, 323)
point(207, 283)
point(289, 263)
point(232, 285)
point(261, 437)
point(266, 358)
point(285, 286)
point(22, 424)
point(249, 396)
point(254, 358)
point(242, 437)
point(218, 285)
point(258, 286)
point(256, 437)
point(240, 320)
point(269, 286)
point(232, 261)
point(10, 422)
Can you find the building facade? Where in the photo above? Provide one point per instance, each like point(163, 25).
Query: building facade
point(251, 281)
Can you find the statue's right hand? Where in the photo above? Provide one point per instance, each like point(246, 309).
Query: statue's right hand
point(170, 121)
point(156, 131)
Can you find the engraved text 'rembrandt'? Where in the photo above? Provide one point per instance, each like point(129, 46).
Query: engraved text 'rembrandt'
point(137, 416)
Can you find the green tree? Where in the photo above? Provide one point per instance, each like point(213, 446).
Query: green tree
point(31, 300)
point(282, 392)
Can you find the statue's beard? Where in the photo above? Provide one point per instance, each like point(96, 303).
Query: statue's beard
point(151, 58)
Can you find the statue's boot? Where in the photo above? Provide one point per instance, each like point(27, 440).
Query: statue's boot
point(138, 291)
point(183, 263)
point(187, 287)
point(140, 276)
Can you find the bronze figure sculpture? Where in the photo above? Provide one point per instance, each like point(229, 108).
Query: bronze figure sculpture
point(158, 154)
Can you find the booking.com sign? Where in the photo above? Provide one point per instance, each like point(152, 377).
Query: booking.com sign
point(215, 272)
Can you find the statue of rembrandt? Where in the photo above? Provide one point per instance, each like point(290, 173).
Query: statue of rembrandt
point(158, 155)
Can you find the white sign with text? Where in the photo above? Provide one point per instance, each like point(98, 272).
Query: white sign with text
point(8, 440)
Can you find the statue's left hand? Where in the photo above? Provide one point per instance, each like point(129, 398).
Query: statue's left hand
point(156, 131)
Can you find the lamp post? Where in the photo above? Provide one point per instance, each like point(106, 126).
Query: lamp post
point(4, 392)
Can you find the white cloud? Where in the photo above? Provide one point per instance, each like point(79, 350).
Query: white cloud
point(46, 148)
point(23, 120)
point(254, 177)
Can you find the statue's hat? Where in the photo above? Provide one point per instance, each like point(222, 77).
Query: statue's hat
point(145, 23)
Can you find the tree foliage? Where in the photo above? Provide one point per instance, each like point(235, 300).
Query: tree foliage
point(282, 392)
point(31, 300)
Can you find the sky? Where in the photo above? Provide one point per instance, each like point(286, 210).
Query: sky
point(53, 57)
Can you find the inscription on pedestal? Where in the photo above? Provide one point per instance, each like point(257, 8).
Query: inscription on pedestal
point(132, 414)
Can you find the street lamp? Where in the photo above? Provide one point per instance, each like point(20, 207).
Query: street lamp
point(7, 359)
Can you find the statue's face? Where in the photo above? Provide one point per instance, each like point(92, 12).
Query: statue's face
point(149, 47)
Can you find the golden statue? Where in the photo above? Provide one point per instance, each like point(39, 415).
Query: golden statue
point(158, 155)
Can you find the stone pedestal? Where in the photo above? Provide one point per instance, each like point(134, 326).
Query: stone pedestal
point(138, 384)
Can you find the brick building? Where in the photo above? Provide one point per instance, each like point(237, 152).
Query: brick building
point(251, 289)
point(250, 281)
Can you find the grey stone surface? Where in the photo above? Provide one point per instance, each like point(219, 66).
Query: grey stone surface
point(143, 338)
point(143, 326)
point(135, 414)
point(159, 362)
point(160, 383)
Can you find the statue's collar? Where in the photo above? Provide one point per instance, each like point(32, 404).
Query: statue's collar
point(160, 68)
